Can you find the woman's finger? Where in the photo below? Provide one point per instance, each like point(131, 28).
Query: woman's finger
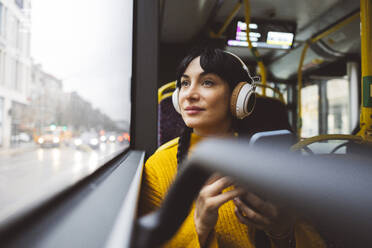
point(213, 178)
point(250, 214)
point(244, 220)
point(260, 205)
point(216, 187)
point(222, 198)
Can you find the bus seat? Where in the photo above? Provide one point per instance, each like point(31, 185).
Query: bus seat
point(269, 114)
point(170, 123)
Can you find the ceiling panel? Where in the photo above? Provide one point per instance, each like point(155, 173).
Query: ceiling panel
point(300, 11)
point(184, 19)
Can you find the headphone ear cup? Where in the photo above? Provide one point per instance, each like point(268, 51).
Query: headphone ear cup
point(175, 100)
point(234, 98)
point(243, 100)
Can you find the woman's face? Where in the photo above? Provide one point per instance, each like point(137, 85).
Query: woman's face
point(204, 101)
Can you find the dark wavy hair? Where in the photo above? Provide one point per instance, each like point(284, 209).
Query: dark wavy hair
point(214, 60)
point(223, 64)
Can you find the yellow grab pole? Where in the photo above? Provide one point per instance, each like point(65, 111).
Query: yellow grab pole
point(261, 66)
point(276, 91)
point(335, 28)
point(366, 108)
point(229, 19)
point(262, 71)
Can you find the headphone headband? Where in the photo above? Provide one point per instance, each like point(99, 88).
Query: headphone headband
point(245, 67)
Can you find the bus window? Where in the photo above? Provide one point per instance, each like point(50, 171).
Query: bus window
point(325, 103)
point(338, 106)
point(283, 88)
point(310, 108)
point(65, 74)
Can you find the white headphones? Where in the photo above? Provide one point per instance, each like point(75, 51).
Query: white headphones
point(243, 98)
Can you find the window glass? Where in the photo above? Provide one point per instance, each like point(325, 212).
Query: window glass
point(310, 111)
point(1, 19)
point(1, 67)
point(64, 92)
point(1, 120)
point(283, 88)
point(19, 3)
point(338, 106)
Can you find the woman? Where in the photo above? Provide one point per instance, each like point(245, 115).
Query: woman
point(223, 215)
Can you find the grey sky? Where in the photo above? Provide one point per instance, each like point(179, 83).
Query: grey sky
point(87, 44)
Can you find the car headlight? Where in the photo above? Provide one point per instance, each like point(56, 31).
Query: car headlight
point(103, 138)
point(55, 140)
point(40, 140)
point(77, 142)
point(112, 138)
point(94, 141)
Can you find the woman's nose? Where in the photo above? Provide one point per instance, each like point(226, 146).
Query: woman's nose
point(193, 92)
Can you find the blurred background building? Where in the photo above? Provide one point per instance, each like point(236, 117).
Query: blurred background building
point(15, 65)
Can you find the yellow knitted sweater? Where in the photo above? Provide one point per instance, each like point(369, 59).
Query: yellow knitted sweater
point(161, 169)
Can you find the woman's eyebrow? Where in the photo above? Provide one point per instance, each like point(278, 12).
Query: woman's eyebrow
point(204, 73)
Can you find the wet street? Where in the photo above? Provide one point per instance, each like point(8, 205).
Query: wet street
point(36, 173)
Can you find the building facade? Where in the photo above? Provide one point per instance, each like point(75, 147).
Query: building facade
point(15, 66)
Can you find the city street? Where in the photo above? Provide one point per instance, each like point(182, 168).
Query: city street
point(36, 173)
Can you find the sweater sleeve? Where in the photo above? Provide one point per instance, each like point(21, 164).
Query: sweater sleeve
point(150, 196)
point(307, 237)
point(187, 236)
point(157, 177)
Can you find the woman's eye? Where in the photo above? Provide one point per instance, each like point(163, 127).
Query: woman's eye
point(208, 83)
point(184, 84)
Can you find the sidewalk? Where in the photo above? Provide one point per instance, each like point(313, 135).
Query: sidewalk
point(21, 148)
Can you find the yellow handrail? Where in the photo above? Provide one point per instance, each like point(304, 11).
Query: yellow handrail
point(318, 138)
point(261, 66)
point(300, 65)
point(227, 22)
point(163, 91)
point(280, 94)
point(335, 27)
point(366, 84)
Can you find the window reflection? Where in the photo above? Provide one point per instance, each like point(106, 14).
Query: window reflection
point(64, 89)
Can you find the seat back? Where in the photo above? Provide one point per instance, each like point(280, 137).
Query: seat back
point(170, 123)
point(269, 114)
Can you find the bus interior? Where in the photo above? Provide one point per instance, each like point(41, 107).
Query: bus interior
point(309, 57)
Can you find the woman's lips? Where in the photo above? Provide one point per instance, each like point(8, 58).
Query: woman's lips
point(193, 110)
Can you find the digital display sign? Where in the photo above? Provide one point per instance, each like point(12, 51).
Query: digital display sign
point(264, 35)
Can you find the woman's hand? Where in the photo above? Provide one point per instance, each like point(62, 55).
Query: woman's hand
point(210, 199)
point(253, 211)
